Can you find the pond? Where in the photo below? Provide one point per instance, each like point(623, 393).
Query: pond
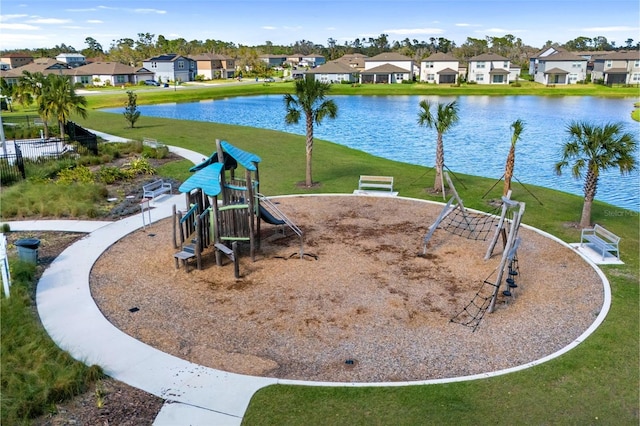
point(386, 126)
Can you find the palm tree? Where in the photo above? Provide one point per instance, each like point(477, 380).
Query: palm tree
point(30, 89)
point(596, 149)
point(309, 99)
point(517, 127)
point(60, 101)
point(446, 116)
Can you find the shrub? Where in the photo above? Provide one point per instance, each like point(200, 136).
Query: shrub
point(110, 174)
point(79, 174)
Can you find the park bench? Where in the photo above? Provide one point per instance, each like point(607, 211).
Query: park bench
point(375, 185)
point(155, 188)
point(605, 241)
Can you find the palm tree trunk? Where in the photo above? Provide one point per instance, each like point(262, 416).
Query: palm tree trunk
point(590, 187)
point(438, 185)
point(309, 122)
point(508, 170)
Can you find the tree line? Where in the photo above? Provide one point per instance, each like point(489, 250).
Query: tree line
point(133, 52)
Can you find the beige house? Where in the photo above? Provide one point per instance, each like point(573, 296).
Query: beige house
point(439, 68)
point(15, 60)
point(353, 60)
point(214, 66)
point(42, 65)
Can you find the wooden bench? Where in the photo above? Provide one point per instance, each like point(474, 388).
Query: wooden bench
point(155, 188)
point(605, 241)
point(375, 185)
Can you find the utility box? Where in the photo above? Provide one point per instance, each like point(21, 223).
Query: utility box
point(28, 249)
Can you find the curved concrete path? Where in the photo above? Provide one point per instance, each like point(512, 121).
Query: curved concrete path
point(195, 395)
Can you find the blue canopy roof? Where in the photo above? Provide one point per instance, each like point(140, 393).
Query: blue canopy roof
point(208, 179)
point(246, 159)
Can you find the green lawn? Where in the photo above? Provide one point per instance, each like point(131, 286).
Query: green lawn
point(596, 383)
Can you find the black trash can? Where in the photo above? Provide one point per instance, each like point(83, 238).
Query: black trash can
point(28, 249)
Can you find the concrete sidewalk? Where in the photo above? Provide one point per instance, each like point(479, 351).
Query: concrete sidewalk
point(195, 395)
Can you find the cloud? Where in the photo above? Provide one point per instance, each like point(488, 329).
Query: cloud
point(95, 21)
point(91, 9)
point(10, 17)
point(17, 27)
point(48, 21)
point(414, 31)
point(269, 27)
point(150, 11)
point(465, 25)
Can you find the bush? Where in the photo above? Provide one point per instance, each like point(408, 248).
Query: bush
point(110, 174)
point(79, 174)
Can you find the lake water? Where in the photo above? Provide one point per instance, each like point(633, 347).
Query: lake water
point(386, 126)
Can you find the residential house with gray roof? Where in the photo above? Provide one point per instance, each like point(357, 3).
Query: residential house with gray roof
point(561, 68)
point(333, 72)
point(617, 68)
point(171, 67)
point(489, 68)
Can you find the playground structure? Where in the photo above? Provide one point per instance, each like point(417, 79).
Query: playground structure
point(457, 220)
point(224, 209)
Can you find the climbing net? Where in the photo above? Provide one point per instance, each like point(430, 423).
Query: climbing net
point(469, 225)
point(471, 315)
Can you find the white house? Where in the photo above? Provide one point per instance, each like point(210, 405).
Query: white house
point(109, 74)
point(388, 67)
point(72, 59)
point(489, 68)
point(439, 68)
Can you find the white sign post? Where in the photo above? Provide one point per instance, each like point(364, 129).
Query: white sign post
point(4, 265)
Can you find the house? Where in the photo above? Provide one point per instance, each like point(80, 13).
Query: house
point(215, 66)
point(439, 68)
point(171, 67)
point(534, 60)
point(387, 67)
point(72, 59)
point(44, 66)
point(273, 61)
point(560, 68)
point(305, 61)
point(333, 72)
point(617, 68)
point(16, 60)
point(354, 60)
point(110, 74)
point(489, 68)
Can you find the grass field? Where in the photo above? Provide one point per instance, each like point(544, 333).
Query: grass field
point(596, 383)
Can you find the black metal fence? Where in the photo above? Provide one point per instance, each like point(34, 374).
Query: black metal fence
point(15, 153)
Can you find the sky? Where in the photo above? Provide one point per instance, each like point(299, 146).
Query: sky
point(47, 23)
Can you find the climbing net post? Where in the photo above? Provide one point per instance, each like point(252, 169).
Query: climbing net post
point(507, 204)
point(509, 253)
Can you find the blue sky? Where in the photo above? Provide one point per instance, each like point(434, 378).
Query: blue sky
point(47, 23)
